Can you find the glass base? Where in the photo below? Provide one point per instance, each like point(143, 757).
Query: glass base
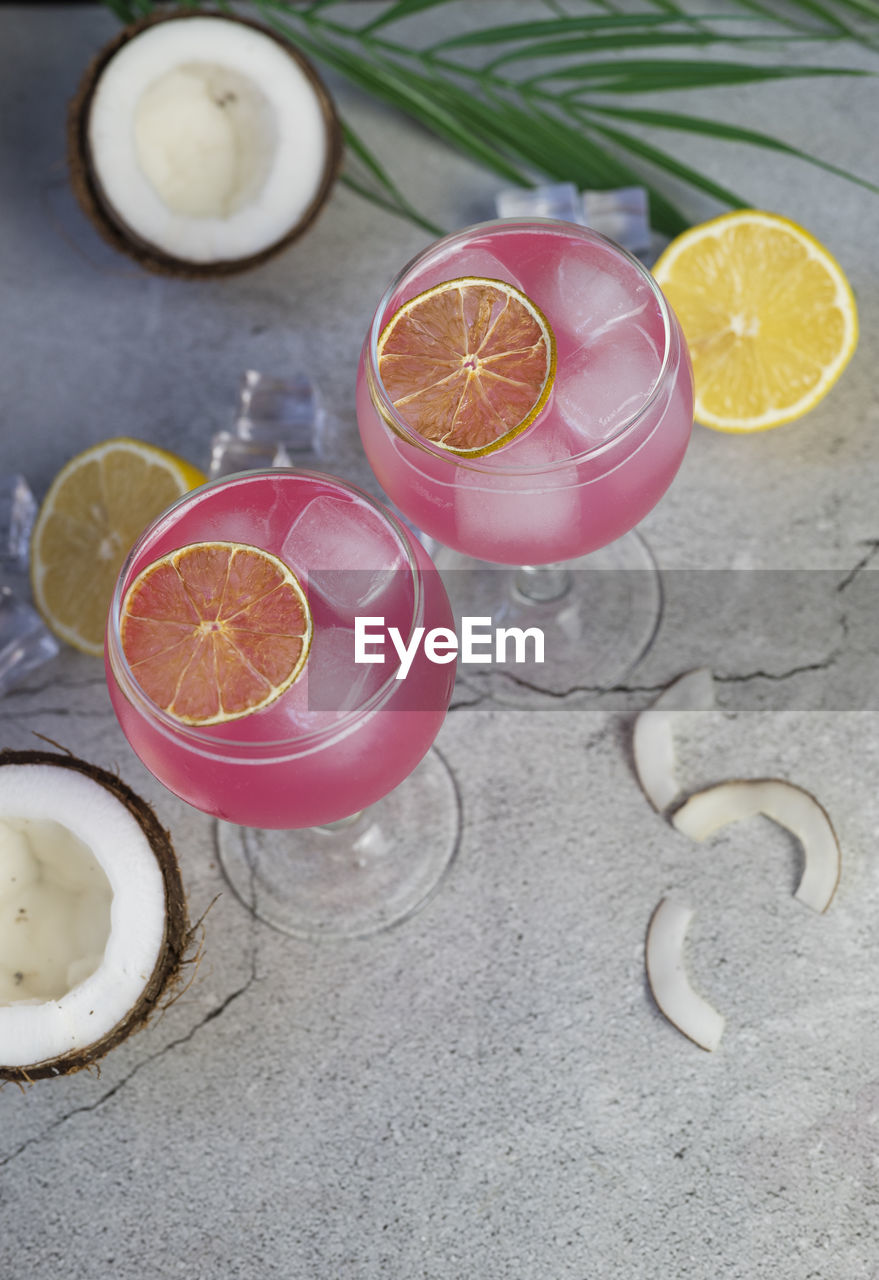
point(355, 877)
point(599, 614)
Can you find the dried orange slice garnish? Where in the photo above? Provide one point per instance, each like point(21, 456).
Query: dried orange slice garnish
point(215, 630)
point(468, 364)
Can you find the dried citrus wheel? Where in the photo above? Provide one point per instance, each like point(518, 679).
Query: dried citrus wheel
point(215, 630)
point(95, 509)
point(768, 315)
point(468, 364)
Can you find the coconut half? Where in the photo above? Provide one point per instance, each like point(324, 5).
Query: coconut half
point(783, 802)
point(93, 921)
point(667, 975)
point(201, 144)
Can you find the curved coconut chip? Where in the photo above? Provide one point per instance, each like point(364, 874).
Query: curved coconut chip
point(653, 740)
point(674, 996)
point(790, 806)
point(157, 984)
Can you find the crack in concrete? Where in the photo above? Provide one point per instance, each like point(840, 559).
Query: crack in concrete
point(26, 691)
point(824, 665)
point(477, 700)
point(102, 713)
point(474, 696)
point(209, 1017)
point(863, 563)
point(560, 694)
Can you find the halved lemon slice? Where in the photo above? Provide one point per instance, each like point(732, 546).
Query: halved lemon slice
point(95, 509)
point(468, 364)
point(215, 630)
point(768, 315)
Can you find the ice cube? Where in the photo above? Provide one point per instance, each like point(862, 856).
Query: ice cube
point(550, 200)
point(501, 515)
point(623, 215)
point(230, 454)
point(25, 644)
point(585, 300)
point(346, 554)
point(470, 260)
point(286, 410)
point(600, 387)
point(532, 451)
point(18, 510)
point(297, 706)
point(336, 682)
point(475, 261)
point(279, 420)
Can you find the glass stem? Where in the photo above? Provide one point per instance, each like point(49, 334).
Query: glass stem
point(541, 584)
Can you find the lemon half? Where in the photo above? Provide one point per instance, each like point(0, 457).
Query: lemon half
point(96, 508)
point(768, 314)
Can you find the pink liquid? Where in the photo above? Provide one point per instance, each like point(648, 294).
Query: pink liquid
point(345, 733)
point(614, 430)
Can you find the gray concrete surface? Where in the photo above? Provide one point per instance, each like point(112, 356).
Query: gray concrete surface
point(488, 1090)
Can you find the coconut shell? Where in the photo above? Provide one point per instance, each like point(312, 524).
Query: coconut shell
point(87, 188)
point(177, 937)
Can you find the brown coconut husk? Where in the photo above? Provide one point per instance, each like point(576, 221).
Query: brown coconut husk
point(178, 937)
point(87, 187)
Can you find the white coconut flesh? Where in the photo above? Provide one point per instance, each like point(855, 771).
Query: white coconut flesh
point(783, 802)
point(82, 912)
point(653, 739)
point(666, 972)
point(207, 139)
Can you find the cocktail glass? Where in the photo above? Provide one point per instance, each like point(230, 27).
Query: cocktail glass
point(540, 532)
point(334, 816)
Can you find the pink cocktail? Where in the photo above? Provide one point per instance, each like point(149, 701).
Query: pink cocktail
point(345, 733)
point(611, 436)
point(559, 502)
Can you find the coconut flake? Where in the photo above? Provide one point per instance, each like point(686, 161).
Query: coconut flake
point(653, 740)
point(675, 997)
point(788, 805)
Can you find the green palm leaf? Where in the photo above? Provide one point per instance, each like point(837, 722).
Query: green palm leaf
point(726, 133)
point(558, 27)
point(669, 163)
point(401, 9)
point(658, 74)
point(569, 154)
point(590, 44)
point(382, 191)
